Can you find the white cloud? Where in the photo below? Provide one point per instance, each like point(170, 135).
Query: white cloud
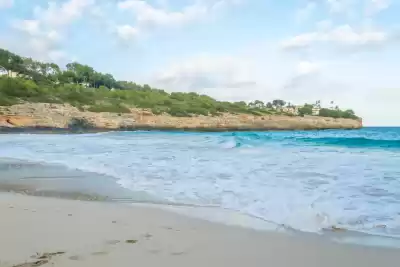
point(45, 32)
point(343, 35)
point(148, 17)
point(30, 26)
point(339, 6)
point(62, 15)
point(376, 6)
point(57, 55)
point(307, 68)
point(222, 77)
point(301, 40)
point(346, 35)
point(6, 3)
point(324, 25)
point(245, 77)
point(41, 42)
point(206, 71)
point(127, 32)
point(306, 12)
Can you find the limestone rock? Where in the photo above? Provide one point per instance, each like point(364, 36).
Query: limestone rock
point(46, 115)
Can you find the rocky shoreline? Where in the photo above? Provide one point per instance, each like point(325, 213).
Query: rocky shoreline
point(44, 117)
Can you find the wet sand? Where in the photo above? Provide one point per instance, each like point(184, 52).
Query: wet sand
point(37, 231)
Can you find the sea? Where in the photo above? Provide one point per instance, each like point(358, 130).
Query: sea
point(320, 182)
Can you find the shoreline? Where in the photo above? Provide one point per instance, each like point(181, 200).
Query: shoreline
point(80, 233)
point(55, 181)
point(210, 214)
point(55, 130)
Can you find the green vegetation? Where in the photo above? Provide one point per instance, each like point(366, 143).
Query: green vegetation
point(337, 113)
point(27, 80)
point(306, 110)
point(80, 124)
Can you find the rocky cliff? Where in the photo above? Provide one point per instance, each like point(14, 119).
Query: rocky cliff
point(60, 116)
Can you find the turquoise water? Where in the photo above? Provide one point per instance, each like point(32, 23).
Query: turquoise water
point(306, 181)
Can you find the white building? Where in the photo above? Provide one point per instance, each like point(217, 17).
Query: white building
point(84, 84)
point(11, 74)
point(291, 110)
point(315, 110)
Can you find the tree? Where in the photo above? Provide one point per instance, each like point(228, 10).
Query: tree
point(46, 82)
point(306, 110)
point(241, 103)
point(67, 77)
point(278, 103)
point(349, 114)
point(326, 112)
point(256, 104)
point(83, 73)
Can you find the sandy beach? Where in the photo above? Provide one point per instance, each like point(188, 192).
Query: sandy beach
point(40, 231)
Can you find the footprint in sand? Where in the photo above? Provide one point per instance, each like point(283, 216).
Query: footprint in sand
point(177, 253)
point(32, 264)
point(76, 258)
point(112, 242)
point(41, 259)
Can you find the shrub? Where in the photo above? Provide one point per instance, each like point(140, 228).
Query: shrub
point(197, 110)
point(80, 124)
point(306, 110)
point(178, 112)
point(158, 110)
point(337, 113)
point(74, 96)
point(15, 87)
point(7, 101)
point(215, 114)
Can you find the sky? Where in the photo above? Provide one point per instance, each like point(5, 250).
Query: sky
point(345, 51)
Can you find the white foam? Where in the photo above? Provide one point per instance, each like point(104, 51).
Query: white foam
point(304, 187)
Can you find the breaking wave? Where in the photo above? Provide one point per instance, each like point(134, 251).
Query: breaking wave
point(307, 181)
point(256, 139)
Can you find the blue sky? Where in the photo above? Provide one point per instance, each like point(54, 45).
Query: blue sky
point(344, 51)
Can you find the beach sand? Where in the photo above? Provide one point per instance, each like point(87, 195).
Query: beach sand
point(60, 232)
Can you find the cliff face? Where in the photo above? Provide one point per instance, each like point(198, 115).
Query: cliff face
point(59, 116)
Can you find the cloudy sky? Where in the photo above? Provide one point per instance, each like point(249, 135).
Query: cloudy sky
point(346, 51)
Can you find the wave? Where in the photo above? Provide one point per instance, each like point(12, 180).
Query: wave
point(354, 142)
point(200, 169)
point(244, 139)
point(238, 139)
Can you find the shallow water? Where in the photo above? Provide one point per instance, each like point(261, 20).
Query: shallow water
point(306, 181)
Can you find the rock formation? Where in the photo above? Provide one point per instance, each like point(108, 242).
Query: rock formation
point(59, 116)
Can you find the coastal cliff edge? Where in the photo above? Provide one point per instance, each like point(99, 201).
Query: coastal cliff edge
point(61, 116)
